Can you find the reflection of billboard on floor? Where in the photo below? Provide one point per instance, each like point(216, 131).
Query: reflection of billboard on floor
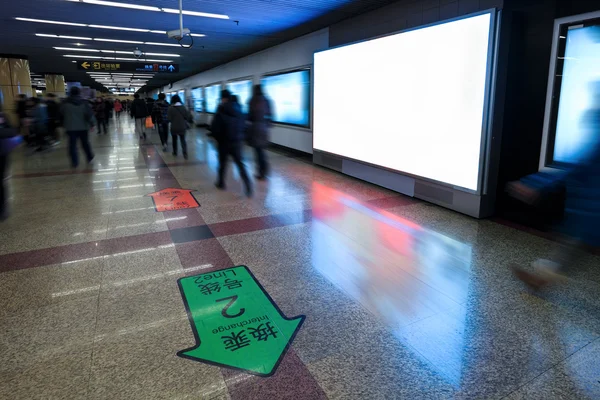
point(422, 100)
point(213, 94)
point(243, 90)
point(574, 134)
point(289, 94)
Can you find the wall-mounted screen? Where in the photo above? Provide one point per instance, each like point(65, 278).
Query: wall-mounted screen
point(243, 90)
point(198, 99)
point(572, 131)
point(411, 102)
point(213, 94)
point(289, 94)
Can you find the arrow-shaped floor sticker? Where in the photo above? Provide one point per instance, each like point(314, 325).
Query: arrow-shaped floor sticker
point(235, 322)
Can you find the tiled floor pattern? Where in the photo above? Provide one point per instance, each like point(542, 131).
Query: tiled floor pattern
point(403, 299)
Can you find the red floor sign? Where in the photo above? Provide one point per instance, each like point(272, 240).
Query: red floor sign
point(173, 199)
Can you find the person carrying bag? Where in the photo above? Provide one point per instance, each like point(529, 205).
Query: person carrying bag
point(180, 119)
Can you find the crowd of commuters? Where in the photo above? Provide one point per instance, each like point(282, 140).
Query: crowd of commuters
point(39, 122)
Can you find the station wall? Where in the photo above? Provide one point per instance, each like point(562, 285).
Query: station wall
point(290, 55)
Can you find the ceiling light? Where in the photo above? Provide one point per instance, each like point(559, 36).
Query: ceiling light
point(195, 13)
point(161, 44)
point(151, 8)
point(45, 21)
point(140, 60)
point(130, 52)
point(118, 41)
point(122, 5)
point(62, 36)
point(80, 56)
point(160, 32)
point(118, 28)
point(197, 34)
point(77, 49)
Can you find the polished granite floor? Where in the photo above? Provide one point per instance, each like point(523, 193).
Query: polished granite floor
point(403, 299)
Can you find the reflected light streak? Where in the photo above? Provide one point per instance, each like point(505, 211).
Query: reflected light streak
point(405, 274)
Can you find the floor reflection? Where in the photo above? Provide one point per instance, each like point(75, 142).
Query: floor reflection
point(398, 270)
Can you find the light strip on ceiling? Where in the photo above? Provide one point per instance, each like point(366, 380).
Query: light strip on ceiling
point(114, 51)
point(119, 28)
point(162, 44)
point(115, 4)
point(45, 21)
point(114, 58)
point(118, 41)
point(151, 8)
point(113, 40)
point(62, 36)
point(195, 13)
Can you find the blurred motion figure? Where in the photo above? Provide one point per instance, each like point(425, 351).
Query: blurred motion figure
point(228, 129)
point(260, 119)
point(582, 207)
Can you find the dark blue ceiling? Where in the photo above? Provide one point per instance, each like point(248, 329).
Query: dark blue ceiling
point(262, 24)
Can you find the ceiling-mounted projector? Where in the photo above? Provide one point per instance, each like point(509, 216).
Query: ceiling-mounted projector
point(178, 34)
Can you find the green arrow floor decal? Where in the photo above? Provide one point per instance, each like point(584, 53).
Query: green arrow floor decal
point(235, 322)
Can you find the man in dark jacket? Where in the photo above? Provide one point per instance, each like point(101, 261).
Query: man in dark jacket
point(228, 128)
point(53, 116)
point(139, 111)
point(260, 117)
point(160, 110)
point(77, 119)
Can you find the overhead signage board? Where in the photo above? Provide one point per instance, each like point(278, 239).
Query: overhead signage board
point(115, 66)
point(235, 322)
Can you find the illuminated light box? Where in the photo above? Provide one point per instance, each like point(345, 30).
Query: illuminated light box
point(213, 96)
point(289, 94)
point(412, 102)
point(571, 126)
point(243, 90)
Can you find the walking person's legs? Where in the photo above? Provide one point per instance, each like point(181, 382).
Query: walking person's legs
point(183, 145)
point(236, 154)
point(163, 131)
point(223, 155)
point(73, 148)
point(174, 140)
point(140, 127)
point(262, 163)
point(85, 143)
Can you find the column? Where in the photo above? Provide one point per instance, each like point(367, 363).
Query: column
point(15, 79)
point(55, 84)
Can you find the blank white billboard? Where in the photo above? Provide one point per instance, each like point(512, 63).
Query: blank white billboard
point(411, 102)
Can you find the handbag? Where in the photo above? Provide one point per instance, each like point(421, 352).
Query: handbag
point(149, 123)
point(187, 124)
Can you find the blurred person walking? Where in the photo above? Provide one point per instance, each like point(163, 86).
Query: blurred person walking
point(101, 118)
point(180, 119)
point(108, 111)
point(228, 129)
point(21, 109)
point(160, 115)
point(9, 139)
point(581, 220)
point(39, 123)
point(118, 108)
point(139, 111)
point(77, 118)
point(53, 117)
point(260, 119)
